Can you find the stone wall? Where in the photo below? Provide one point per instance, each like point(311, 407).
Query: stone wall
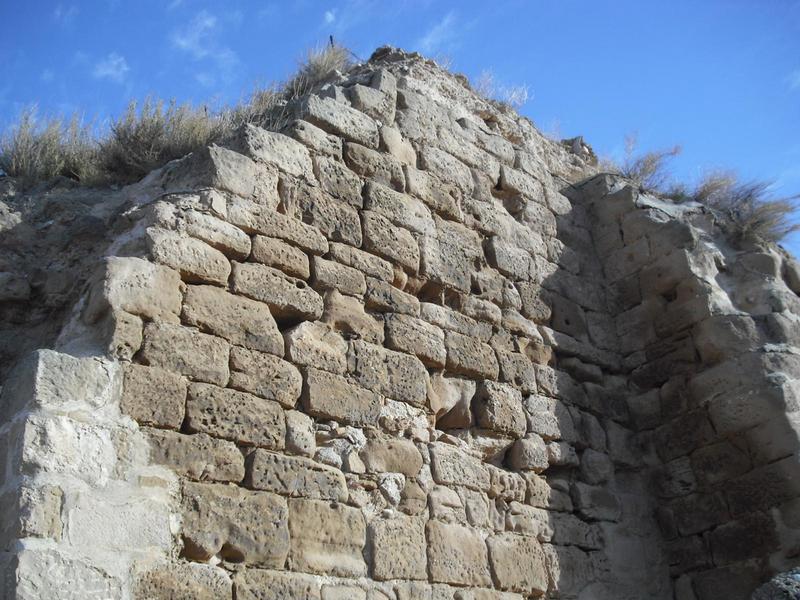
point(407, 349)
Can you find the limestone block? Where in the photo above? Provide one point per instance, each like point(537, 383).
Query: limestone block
point(534, 303)
point(414, 336)
point(452, 466)
point(239, 320)
point(253, 217)
point(398, 548)
point(341, 120)
point(528, 454)
point(346, 592)
point(294, 476)
point(384, 297)
point(498, 407)
point(570, 530)
point(735, 581)
point(719, 462)
point(339, 222)
point(326, 538)
point(508, 259)
point(596, 467)
point(529, 521)
point(401, 209)
point(338, 181)
point(723, 336)
point(219, 234)
point(449, 255)
point(346, 314)
point(457, 555)
point(41, 573)
point(763, 487)
point(13, 288)
point(452, 401)
point(447, 168)
point(480, 309)
point(315, 138)
point(236, 416)
point(394, 374)
point(234, 524)
point(751, 536)
point(450, 320)
point(271, 148)
point(595, 503)
point(333, 397)
point(469, 357)
point(391, 455)
point(391, 141)
point(370, 164)
point(199, 457)
point(464, 150)
point(518, 563)
point(561, 454)
point(260, 584)
point(288, 298)
point(276, 253)
point(330, 275)
point(196, 261)
point(373, 103)
point(440, 197)
point(181, 350)
point(370, 265)
point(183, 580)
point(395, 244)
point(314, 344)
point(265, 375)
point(517, 369)
point(135, 286)
point(570, 569)
point(153, 396)
point(300, 435)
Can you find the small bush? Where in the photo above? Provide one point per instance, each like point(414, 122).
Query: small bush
point(513, 96)
point(649, 171)
point(748, 210)
point(320, 66)
point(37, 150)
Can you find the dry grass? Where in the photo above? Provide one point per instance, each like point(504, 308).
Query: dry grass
point(513, 96)
point(649, 171)
point(38, 150)
point(152, 133)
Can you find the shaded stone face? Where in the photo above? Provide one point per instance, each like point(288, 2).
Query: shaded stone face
point(406, 348)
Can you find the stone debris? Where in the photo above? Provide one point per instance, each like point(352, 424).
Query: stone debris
point(407, 348)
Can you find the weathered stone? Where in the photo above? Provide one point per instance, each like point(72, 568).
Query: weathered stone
point(330, 275)
point(450, 320)
point(384, 297)
point(314, 344)
point(300, 437)
point(315, 138)
point(196, 261)
point(398, 548)
point(373, 165)
point(391, 455)
point(518, 563)
point(236, 416)
point(234, 524)
point(447, 168)
point(393, 374)
point(253, 217)
point(508, 259)
point(241, 321)
point(391, 141)
point(440, 197)
point(763, 487)
point(499, 407)
point(181, 350)
point(751, 536)
point(370, 265)
point(450, 254)
point(265, 375)
point(259, 584)
point(339, 119)
point(326, 538)
point(529, 454)
point(517, 369)
point(451, 466)
point(414, 336)
point(338, 181)
point(456, 555)
point(332, 397)
point(339, 222)
point(387, 241)
point(183, 580)
point(451, 401)
point(276, 253)
point(346, 314)
point(198, 456)
point(596, 467)
point(469, 357)
point(403, 210)
point(373, 103)
point(273, 148)
point(294, 476)
point(288, 298)
point(135, 286)
point(595, 503)
point(153, 396)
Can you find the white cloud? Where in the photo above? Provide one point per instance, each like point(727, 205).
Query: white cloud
point(199, 40)
point(793, 79)
point(65, 14)
point(440, 36)
point(330, 16)
point(113, 67)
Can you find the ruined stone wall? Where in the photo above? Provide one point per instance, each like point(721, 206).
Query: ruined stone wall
point(403, 350)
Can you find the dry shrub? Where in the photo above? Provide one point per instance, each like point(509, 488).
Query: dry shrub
point(649, 171)
point(35, 150)
point(321, 66)
point(507, 96)
point(748, 209)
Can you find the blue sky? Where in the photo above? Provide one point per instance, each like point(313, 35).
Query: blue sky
point(719, 77)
